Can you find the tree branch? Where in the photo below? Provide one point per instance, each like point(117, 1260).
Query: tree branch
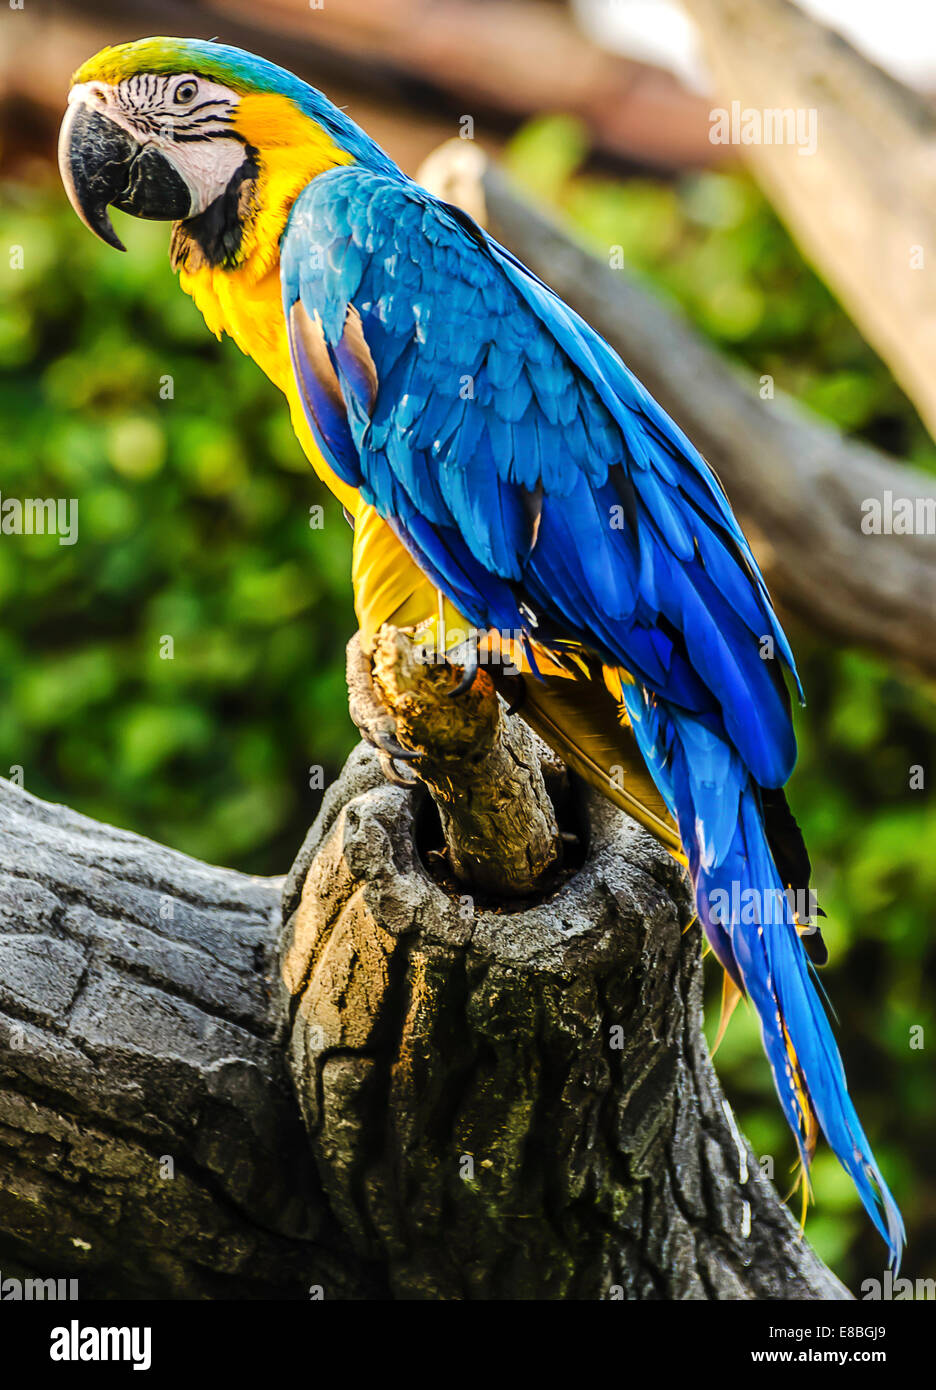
point(862, 200)
point(149, 1141)
point(483, 771)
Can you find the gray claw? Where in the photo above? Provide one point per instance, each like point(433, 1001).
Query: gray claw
point(386, 743)
point(471, 670)
point(389, 769)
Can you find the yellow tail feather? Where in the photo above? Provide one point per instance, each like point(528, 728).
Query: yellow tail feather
point(731, 997)
point(572, 712)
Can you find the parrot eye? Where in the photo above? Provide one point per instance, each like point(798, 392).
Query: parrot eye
point(186, 92)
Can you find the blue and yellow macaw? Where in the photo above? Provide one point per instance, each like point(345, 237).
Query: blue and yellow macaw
point(501, 466)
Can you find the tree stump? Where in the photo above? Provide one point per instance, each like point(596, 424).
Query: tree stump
point(519, 1104)
point(493, 1104)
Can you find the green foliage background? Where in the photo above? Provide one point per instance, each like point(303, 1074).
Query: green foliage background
point(194, 517)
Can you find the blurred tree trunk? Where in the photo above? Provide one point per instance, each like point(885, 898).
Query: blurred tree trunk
point(861, 197)
point(408, 70)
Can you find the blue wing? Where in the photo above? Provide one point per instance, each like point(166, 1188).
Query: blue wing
point(523, 465)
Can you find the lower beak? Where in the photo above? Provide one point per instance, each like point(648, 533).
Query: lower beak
point(102, 165)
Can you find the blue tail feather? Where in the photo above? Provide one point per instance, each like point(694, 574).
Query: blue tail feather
point(774, 971)
point(749, 922)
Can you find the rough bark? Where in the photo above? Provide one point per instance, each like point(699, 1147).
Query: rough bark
point(482, 770)
point(796, 482)
point(149, 1140)
point(142, 1016)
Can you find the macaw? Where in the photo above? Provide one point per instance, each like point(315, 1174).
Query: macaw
point(502, 467)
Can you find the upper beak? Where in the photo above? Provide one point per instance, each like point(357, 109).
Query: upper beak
point(101, 165)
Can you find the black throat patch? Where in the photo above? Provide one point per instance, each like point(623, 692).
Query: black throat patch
point(214, 237)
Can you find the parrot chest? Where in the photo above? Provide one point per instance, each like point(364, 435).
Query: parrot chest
point(247, 309)
point(388, 585)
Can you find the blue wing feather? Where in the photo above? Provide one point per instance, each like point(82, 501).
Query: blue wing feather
point(525, 392)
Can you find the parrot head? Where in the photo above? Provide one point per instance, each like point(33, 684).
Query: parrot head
point(194, 132)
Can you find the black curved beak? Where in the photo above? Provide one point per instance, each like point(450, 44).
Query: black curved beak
point(103, 166)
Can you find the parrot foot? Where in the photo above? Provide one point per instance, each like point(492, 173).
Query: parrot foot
point(389, 752)
point(373, 720)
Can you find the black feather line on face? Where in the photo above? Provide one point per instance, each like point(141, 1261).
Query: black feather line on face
point(214, 237)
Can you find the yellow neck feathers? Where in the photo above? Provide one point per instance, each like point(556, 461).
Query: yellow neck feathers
point(244, 300)
point(293, 149)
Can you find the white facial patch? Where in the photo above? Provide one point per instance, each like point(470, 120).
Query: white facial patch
point(187, 117)
point(207, 167)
